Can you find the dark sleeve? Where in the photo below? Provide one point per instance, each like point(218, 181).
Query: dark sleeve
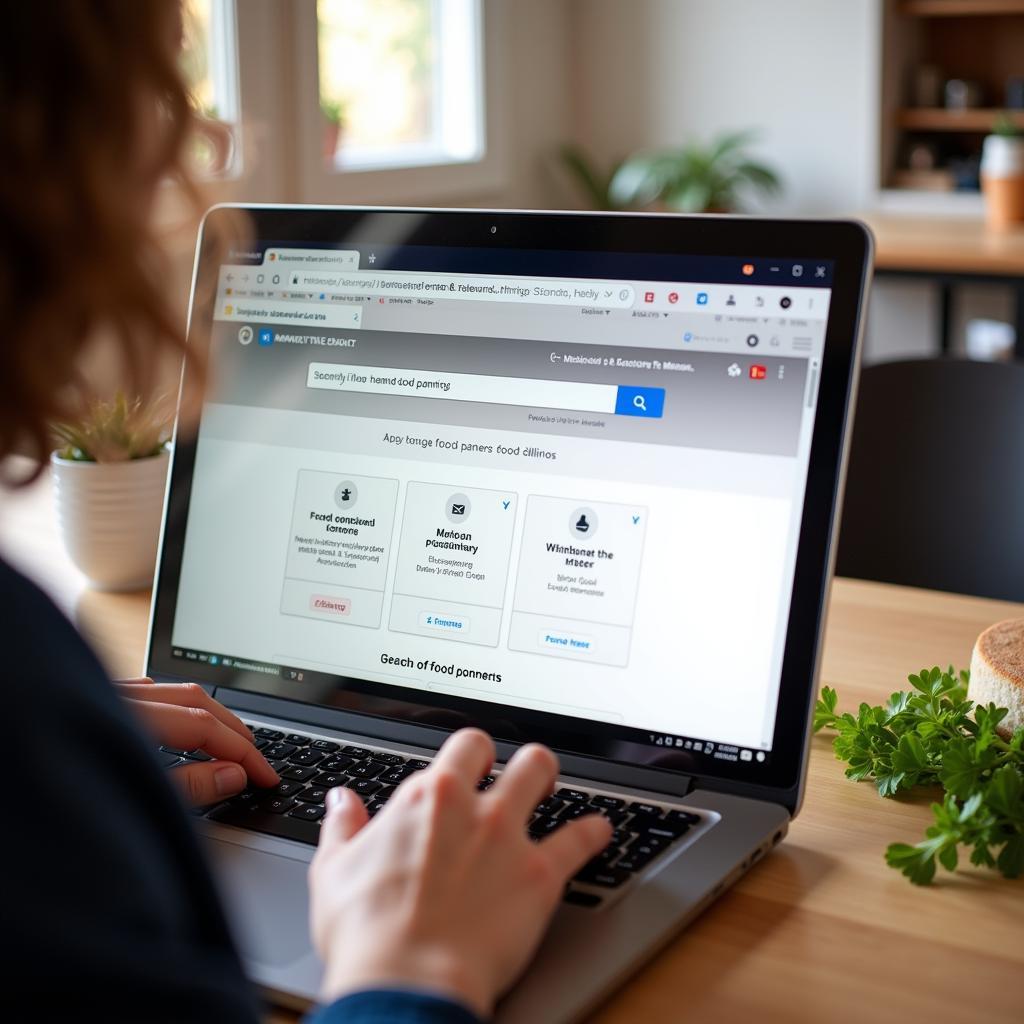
point(393, 1006)
point(109, 911)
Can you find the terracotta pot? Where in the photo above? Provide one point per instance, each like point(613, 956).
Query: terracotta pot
point(1002, 181)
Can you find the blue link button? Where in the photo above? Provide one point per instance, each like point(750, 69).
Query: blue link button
point(640, 402)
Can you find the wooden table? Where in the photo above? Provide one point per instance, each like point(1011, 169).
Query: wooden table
point(819, 931)
point(951, 251)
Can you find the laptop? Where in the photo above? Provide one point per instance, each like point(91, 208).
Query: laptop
point(572, 478)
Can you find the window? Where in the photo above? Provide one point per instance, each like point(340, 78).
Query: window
point(399, 82)
point(209, 60)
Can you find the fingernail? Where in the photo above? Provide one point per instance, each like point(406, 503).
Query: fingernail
point(229, 779)
point(335, 796)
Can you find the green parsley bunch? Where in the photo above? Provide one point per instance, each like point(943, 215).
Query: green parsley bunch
point(933, 735)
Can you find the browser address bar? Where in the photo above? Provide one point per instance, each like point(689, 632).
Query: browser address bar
point(555, 291)
point(575, 396)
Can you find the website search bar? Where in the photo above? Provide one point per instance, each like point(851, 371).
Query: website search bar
point(574, 396)
point(555, 291)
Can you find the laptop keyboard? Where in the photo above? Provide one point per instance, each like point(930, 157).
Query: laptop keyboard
point(309, 767)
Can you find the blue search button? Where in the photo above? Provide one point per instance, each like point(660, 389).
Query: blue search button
point(640, 402)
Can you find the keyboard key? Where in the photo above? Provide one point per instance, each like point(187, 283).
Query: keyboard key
point(307, 757)
point(374, 806)
point(615, 817)
point(575, 810)
point(418, 765)
point(364, 787)
point(315, 795)
point(543, 826)
point(330, 779)
point(648, 810)
point(279, 750)
point(325, 745)
point(612, 803)
point(667, 830)
point(550, 806)
point(307, 812)
point(296, 738)
point(396, 775)
point(387, 758)
point(278, 804)
point(280, 825)
point(485, 783)
point(576, 795)
point(621, 836)
point(168, 760)
point(683, 817)
point(198, 755)
point(269, 734)
point(278, 766)
point(261, 744)
point(337, 764)
point(174, 750)
point(366, 770)
point(386, 792)
point(298, 772)
point(248, 798)
point(286, 788)
point(581, 899)
point(608, 878)
point(359, 752)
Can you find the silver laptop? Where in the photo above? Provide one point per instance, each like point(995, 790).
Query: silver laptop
point(571, 478)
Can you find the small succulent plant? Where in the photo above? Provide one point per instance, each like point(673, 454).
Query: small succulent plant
point(116, 431)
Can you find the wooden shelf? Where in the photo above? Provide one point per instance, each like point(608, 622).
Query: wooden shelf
point(960, 8)
point(938, 119)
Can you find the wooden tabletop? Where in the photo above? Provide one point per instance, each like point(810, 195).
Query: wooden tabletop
point(821, 930)
point(952, 245)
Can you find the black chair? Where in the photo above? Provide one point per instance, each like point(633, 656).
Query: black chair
point(935, 487)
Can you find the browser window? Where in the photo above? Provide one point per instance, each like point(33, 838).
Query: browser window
point(579, 495)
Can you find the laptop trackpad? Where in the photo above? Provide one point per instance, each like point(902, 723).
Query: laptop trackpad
point(266, 898)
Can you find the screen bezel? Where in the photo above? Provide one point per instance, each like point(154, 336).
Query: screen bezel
point(845, 243)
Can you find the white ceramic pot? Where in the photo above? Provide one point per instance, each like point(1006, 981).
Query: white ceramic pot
point(109, 515)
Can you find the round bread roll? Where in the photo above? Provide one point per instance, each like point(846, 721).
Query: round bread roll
point(997, 672)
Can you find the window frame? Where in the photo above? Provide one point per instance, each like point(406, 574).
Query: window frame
point(316, 181)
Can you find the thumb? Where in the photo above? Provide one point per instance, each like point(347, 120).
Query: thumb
point(208, 782)
point(346, 815)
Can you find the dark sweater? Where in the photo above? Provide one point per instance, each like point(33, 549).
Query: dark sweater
point(109, 909)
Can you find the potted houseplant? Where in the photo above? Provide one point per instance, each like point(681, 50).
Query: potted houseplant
point(333, 112)
point(109, 478)
point(694, 178)
point(1002, 174)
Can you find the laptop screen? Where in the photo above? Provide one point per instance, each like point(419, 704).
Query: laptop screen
point(545, 490)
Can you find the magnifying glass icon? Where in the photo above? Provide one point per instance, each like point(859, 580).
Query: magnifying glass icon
point(640, 403)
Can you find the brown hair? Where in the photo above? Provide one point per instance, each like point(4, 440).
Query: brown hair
point(94, 115)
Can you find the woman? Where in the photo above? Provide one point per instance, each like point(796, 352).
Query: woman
point(110, 911)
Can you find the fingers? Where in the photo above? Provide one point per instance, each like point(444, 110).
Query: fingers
point(528, 779)
point(188, 728)
point(575, 843)
point(209, 782)
point(189, 695)
point(346, 815)
point(469, 754)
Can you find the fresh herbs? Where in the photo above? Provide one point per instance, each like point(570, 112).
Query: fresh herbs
point(933, 735)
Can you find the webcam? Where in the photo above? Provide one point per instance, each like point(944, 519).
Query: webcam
point(494, 229)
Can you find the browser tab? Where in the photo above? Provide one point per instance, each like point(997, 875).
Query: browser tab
point(333, 259)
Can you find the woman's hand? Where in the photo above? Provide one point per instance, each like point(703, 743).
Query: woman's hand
point(445, 891)
point(185, 717)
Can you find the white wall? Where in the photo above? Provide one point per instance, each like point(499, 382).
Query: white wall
point(805, 73)
point(652, 73)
